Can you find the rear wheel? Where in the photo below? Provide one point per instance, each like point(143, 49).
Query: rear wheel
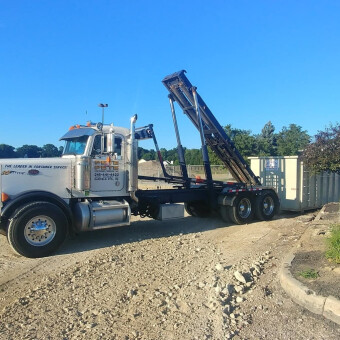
point(224, 212)
point(266, 205)
point(197, 209)
point(37, 229)
point(242, 210)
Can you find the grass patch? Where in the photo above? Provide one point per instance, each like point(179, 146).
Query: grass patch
point(309, 274)
point(333, 244)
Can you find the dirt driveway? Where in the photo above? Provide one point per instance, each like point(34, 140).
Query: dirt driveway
point(178, 279)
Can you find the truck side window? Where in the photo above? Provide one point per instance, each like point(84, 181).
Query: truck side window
point(97, 145)
point(118, 146)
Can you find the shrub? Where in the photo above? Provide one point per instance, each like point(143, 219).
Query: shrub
point(333, 244)
point(309, 274)
point(324, 153)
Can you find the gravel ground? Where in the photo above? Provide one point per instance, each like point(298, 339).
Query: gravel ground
point(185, 279)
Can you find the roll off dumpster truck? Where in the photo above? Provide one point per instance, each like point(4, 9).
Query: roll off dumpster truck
point(94, 184)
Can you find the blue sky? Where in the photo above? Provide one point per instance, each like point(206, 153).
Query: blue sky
point(252, 61)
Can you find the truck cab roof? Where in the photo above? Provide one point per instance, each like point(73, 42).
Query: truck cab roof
point(75, 133)
point(79, 131)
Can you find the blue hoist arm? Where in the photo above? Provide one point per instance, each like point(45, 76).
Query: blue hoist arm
point(212, 133)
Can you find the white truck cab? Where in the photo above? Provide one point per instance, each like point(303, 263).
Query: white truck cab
point(101, 155)
point(92, 186)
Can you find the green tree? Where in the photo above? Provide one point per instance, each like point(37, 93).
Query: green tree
point(266, 141)
point(291, 140)
point(49, 150)
point(30, 151)
point(164, 153)
point(61, 150)
point(193, 157)
point(150, 155)
point(172, 156)
point(324, 153)
point(7, 151)
point(214, 160)
point(142, 152)
point(243, 140)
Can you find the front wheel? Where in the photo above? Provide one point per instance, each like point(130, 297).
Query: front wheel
point(37, 229)
point(242, 211)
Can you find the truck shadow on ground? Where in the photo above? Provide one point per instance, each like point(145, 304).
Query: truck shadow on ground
point(141, 230)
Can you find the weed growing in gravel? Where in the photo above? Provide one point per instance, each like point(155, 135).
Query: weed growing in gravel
point(309, 274)
point(333, 244)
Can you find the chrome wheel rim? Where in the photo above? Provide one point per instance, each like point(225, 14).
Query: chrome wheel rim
point(268, 205)
point(40, 230)
point(244, 208)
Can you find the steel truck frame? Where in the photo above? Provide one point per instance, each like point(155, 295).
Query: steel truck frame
point(237, 201)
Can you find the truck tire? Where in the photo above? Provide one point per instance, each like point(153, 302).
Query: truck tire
point(197, 209)
point(266, 205)
point(224, 213)
point(242, 211)
point(37, 229)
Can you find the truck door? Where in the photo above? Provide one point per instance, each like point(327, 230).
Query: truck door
point(107, 171)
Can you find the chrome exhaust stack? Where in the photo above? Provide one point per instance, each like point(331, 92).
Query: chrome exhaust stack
point(133, 167)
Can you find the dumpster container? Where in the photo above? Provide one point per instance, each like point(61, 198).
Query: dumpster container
point(297, 188)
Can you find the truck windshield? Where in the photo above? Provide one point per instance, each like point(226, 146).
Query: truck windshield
point(75, 146)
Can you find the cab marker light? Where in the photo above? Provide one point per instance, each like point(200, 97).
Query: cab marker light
point(4, 197)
